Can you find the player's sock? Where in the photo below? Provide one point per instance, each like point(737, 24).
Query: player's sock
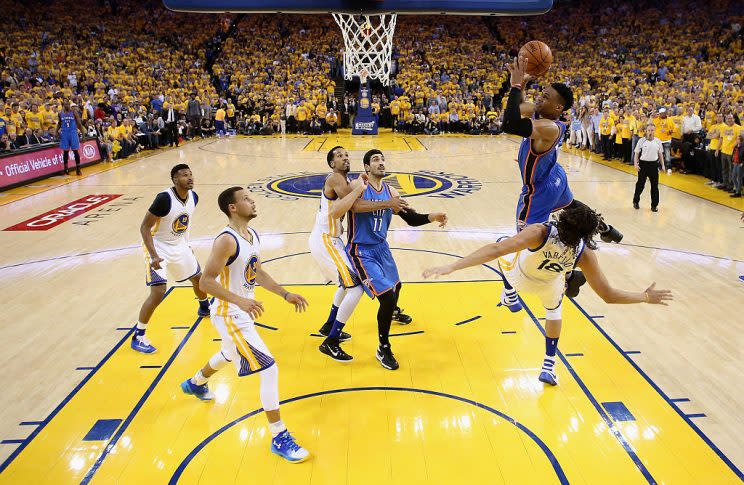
point(199, 379)
point(277, 427)
point(65, 160)
point(140, 329)
point(335, 332)
point(204, 304)
point(332, 316)
point(551, 346)
point(76, 154)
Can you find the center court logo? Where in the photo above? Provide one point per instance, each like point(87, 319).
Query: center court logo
point(429, 183)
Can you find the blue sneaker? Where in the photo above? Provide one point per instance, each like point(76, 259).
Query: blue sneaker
point(203, 312)
point(285, 446)
point(202, 392)
point(548, 378)
point(512, 304)
point(141, 343)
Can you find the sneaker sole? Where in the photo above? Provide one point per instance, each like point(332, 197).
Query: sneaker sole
point(546, 381)
point(187, 391)
point(343, 361)
point(289, 460)
point(383, 364)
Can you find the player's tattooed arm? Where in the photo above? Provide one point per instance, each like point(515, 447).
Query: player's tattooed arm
point(531, 236)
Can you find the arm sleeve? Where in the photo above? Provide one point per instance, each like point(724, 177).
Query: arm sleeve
point(161, 205)
point(514, 124)
point(413, 218)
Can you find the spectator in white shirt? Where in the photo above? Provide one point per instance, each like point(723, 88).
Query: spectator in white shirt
point(648, 153)
point(691, 124)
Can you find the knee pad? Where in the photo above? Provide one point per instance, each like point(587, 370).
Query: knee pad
point(555, 313)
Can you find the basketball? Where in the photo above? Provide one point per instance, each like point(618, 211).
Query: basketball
point(539, 57)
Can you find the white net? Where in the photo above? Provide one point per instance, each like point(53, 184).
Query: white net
point(368, 42)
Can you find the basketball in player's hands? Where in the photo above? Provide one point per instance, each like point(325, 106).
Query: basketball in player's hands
point(538, 57)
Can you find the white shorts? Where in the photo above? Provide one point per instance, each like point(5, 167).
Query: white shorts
point(241, 344)
point(549, 292)
point(331, 256)
point(179, 264)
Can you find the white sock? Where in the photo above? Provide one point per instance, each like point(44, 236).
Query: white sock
point(141, 326)
point(548, 364)
point(199, 379)
point(277, 427)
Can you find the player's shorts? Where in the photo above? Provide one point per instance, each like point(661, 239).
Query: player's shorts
point(549, 292)
point(330, 254)
point(179, 264)
point(241, 343)
point(547, 196)
point(375, 266)
point(69, 141)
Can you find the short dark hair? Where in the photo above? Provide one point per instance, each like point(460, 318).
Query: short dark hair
point(180, 166)
point(226, 198)
point(565, 93)
point(368, 156)
point(578, 223)
point(329, 157)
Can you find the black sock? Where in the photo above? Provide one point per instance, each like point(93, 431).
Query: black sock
point(385, 316)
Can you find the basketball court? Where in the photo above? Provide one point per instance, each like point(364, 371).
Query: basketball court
point(639, 399)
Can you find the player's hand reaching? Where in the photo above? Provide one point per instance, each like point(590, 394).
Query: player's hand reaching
point(359, 183)
point(657, 297)
point(398, 204)
point(437, 271)
point(299, 302)
point(518, 73)
point(155, 262)
point(439, 217)
point(252, 307)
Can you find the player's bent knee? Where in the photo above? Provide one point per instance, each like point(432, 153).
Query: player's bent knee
point(555, 313)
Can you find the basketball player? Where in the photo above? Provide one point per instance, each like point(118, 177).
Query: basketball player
point(545, 185)
point(370, 253)
point(326, 246)
point(68, 125)
point(232, 272)
point(165, 233)
point(542, 255)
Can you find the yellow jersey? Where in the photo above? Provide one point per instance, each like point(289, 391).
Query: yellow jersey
point(715, 143)
point(605, 126)
point(220, 115)
point(729, 135)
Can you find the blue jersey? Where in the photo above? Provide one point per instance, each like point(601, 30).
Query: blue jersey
point(371, 227)
point(536, 168)
point(68, 122)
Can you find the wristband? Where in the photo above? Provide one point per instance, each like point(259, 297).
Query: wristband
point(645, 294)
point(285, 295)
point(518, 86)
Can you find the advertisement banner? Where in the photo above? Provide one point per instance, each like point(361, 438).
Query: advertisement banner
point(21, 167)
point(55, 217)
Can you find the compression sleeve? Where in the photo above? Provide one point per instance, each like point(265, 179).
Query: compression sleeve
point(514, 124)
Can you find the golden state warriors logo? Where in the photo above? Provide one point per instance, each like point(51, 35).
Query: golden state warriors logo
point(364, 103)
point(409, 184)
point(180, 224)
point(250, 271)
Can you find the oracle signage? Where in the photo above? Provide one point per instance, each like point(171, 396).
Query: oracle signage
point(19, 168)
point(64, 213)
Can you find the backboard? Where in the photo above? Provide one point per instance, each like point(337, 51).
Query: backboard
point(445, 7)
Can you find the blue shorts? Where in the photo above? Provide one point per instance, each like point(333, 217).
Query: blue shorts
point(69, 141)
point(375, 266)
point(549, 195)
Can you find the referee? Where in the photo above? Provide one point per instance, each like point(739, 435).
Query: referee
point(648, 153)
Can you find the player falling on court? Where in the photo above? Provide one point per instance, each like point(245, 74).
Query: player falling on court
point(337, 197)
point(165, 234)
point(231, 274)
point(68, 124)
point(540, 257)
point(545, 185)
point(369, 251)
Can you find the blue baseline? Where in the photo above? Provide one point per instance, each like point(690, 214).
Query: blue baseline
point(115, 438)
point(650, 381)
point(696, 415)
point(102, 430)
point(12, 442)
point(619, 411)
point(681, 399)
point(549, 454)
point(67, 399)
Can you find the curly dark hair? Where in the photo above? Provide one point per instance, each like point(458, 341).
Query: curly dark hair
point(578, 223)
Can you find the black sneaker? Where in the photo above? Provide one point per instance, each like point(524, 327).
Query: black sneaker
point(386, 357)
point(325, 331)
point(574, 280)
point(400, 317)
point(636, 206)
point(654, 209)
point(333, 350)
point(611, 235)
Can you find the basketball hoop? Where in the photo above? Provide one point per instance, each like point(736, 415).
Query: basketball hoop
point(368, 42)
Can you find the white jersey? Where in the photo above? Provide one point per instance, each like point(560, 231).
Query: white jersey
point(239, 274)
point(324, 223)
point(552, 260)
point(173, 227)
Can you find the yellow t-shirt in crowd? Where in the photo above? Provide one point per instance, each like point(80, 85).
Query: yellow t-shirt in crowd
point(729, 134)
point(715, 143)
point(664, 129)
point(301, 113)
point(33, 120)
point(605, 126)
point(220, 115)
point(625, 131)
point(677, 132)
point(321, 111)
point(395, 107)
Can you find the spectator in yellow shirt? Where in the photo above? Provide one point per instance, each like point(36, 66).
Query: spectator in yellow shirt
point(729, 139)
point(664, 129)
point(219, 121)
point(605, 132)
point(712, 168)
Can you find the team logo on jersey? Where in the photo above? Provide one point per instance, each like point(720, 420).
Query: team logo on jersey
point(430, 183)
point(250, 271)
point(180, 224)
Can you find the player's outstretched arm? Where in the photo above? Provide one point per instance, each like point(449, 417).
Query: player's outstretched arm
point(530, 237)
point(264, 279)
point(223, 248)
point(415, 219)
point(589, 264)
point(347, 194)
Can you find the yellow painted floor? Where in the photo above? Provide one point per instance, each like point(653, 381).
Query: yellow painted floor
point(465, 406)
